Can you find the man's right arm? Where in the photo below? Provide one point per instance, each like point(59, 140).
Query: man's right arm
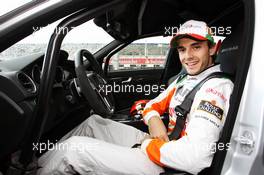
point(157, 129)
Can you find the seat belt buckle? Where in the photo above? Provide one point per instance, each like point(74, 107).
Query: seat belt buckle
point(180, 112)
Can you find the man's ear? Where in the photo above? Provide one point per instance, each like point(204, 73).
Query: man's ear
point(213, 50)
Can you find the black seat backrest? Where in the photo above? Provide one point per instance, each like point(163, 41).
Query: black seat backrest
point(229, 52)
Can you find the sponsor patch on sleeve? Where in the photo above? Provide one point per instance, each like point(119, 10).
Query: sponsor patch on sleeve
point(211, 109)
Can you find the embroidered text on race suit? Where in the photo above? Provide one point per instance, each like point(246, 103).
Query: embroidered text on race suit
point(215, 92)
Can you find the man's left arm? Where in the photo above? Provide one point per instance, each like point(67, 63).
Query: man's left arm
point(194, 151)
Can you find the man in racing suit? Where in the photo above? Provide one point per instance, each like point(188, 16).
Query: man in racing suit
point(102, 146)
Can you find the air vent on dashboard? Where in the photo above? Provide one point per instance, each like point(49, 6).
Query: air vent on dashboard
point(26, 82)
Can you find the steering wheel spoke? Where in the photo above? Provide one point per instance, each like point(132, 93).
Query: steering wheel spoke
point(92, 84)
point(106, 101)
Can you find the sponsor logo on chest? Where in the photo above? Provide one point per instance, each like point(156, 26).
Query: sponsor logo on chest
point(211, 108)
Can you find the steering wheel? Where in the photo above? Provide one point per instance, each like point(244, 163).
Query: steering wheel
point(92, 84)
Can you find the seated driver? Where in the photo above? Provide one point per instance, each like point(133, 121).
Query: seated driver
point(102, 146)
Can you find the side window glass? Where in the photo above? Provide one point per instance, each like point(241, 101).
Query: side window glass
point(78, 38)
point(147, 53)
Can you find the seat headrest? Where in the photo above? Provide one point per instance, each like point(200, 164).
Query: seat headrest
point(229, 52)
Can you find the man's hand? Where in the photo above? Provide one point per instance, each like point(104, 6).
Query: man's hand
point(157, 129)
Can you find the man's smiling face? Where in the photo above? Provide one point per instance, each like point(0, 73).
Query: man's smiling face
point(194, 55)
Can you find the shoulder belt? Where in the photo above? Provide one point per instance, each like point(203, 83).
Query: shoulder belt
point(183, 109)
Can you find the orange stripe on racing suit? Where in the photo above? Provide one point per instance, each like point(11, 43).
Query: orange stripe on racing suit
point(153, 150)
point(160, 104)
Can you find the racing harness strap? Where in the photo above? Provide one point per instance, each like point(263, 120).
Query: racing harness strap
point(183, 109)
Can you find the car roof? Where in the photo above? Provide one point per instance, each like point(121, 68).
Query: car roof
point(141, 17)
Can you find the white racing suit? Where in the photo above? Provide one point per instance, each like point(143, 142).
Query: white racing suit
point(101, 146)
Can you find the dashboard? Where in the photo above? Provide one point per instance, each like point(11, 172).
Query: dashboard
point(19, 85)
point(23, 75)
